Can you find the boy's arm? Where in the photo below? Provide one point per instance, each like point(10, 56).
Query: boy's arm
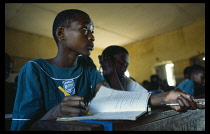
point(99, 85)
point(185, 100)
point(69, 106)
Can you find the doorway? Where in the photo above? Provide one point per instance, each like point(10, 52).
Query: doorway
point(166, 72)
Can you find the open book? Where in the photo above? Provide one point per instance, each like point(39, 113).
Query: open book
point(111, 104)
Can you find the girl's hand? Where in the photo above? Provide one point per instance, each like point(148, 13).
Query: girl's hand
point(107, 64)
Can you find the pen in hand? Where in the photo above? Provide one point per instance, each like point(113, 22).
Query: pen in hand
point(64, 91)
point(169, 103)
point(88, 112)
point(67, 94)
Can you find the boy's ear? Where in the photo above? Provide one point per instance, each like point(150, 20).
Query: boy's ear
point(60, 33)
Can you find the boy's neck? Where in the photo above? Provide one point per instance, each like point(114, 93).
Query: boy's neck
point(63, 62)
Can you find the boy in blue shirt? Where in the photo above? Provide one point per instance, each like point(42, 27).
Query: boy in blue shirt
point(196, 75)
point(38, 96)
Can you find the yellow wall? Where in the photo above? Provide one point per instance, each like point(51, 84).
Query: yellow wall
point(23, 46)
point(174, 46)
point(94, 56)
point(177, 46)
point(28, 45)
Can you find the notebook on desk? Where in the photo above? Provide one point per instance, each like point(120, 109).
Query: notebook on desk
point(111, 104)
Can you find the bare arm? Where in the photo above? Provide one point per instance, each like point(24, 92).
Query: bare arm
point(185, 100)
point(99, 85)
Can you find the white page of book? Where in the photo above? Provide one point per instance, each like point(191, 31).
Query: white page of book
point(110, 100)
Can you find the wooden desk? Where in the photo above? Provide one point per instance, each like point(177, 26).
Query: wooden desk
point(163, 119)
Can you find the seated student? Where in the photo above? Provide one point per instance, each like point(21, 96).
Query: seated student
point(146, 84)
point(114, 74)
point(114, 61)
point(196, 77)
point(38, 96)
point(155, 82)
point(165, 87)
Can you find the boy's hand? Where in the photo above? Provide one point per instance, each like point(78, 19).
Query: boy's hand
point(185, 101)
point(73, 106)
point(70, 106)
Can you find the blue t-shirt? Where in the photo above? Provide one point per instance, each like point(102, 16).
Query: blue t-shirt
point(187, 86)
point(38, 91)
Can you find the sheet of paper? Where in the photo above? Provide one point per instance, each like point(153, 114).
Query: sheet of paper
point(110, 100)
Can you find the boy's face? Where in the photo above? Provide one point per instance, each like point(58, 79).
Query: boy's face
point(121, 61)
point(199, 78)
point(79, 37)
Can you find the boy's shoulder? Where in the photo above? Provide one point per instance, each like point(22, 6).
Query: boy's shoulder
point(33, 62)
point(38, 61)
point(185, 82)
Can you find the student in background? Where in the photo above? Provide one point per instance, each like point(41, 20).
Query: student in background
point(38, 96)
point(9, 87)
point(146, 84)
point(155, 82)
point(114, 74)
point(196, 77)
point(114, 61)
point(165, 87)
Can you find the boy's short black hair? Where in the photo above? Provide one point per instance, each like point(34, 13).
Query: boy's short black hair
point(113, 50)
point(65, 18)
point(195, 68)
point(154, 77)
point(187, 72)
